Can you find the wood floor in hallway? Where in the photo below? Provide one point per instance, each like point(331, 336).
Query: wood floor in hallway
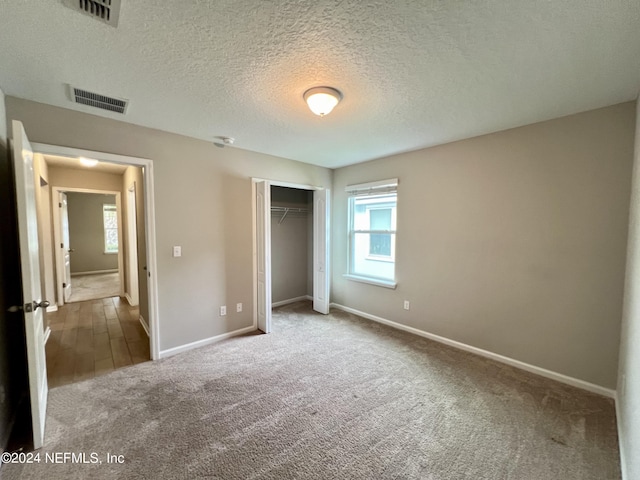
point(93, 337)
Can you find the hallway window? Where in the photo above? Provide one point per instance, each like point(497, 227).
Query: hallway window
point(110, 220)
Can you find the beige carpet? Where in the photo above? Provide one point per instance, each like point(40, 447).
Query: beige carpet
point(328, 397)
point(95, 286)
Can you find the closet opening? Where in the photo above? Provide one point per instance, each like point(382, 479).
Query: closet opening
point(291, 245)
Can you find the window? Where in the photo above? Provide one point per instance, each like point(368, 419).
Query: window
point(372, 232)
point(110, 221)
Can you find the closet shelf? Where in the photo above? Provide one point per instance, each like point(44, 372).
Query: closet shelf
point(290, 211)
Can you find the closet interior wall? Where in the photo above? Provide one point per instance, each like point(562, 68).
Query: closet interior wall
point(291, 244)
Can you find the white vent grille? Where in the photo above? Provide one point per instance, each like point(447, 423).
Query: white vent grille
point(107, 11)
point(117, 105)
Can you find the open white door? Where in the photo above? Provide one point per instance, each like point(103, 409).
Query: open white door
point(263, 254)
point(65, 246)
point(132, 247)
point(33, 304)
point(321, 251)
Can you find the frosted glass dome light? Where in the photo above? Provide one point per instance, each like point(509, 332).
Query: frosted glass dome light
point(322, 100)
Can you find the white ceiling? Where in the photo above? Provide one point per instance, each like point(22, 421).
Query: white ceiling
point(413, 73)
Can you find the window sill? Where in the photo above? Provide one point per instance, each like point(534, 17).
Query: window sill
point(110, 253)
point(372, 281)
point(380, 258)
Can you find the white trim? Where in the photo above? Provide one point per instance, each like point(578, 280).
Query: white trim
point(543, 372)
point(389, 184)
point(144, 324)
point(291, 300)
point(149, 218)
point(278, 183)
point(52, 308)
point(207, 341)
point(130, 301)
point(371, 281)
point(94, 272)
point(47, 334)
point(621, 443)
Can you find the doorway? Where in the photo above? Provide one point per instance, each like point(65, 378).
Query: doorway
point(291, 245)
point(263, 288)
point(144, 308)
point(99, 325)
point(88, 234)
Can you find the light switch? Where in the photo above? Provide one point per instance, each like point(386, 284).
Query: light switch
point(177, 251)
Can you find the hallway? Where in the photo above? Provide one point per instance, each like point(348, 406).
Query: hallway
point(92, 338)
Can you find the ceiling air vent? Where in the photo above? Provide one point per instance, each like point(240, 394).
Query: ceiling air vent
point(107, 11)
point(117, 105)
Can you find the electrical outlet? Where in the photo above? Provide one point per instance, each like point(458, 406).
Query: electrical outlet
point(177, 251)
point(407, 305)
point(223, 310)
point(238, 307)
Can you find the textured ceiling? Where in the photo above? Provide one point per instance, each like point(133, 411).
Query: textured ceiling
point(413, 73)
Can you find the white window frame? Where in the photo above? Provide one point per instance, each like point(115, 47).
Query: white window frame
point(105, 208)
point(383, 187)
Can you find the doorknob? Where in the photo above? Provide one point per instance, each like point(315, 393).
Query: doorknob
point(71, 250)
point(42, 304)
point(29, 307)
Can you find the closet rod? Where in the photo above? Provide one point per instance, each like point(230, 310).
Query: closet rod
point(286, 210)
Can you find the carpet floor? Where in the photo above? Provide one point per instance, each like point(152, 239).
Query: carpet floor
point(327, 397)
point(94, 286)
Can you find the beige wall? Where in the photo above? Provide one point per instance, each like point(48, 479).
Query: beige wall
point(289, 246)
point(7, 396)
point(629, 373)
point(86, 232)
point(512, 242)
point(202, 202)
point(76, 178)
point(3, 121)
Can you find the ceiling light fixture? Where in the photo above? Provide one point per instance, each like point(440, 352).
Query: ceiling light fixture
point(321, 100)
point(88, 162)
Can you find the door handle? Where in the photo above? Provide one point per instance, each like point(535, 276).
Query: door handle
point(43, 304)
point(29, 307)
point(71, 250)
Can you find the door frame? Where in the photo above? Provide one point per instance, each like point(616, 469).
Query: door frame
point(57, 235)
point(149, 223)
point(317, 236)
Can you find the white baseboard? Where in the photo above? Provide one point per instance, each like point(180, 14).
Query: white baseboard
point(144, 324)
point(591, 387)
point(291, 300)
point(94, 272)
point(129, 299)
point(207, 341)
point(52, 308)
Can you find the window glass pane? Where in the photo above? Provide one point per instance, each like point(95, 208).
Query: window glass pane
point(372, 249)
point(110, 221)
point(380, 244)
point(380, 219)
point(363, 263)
